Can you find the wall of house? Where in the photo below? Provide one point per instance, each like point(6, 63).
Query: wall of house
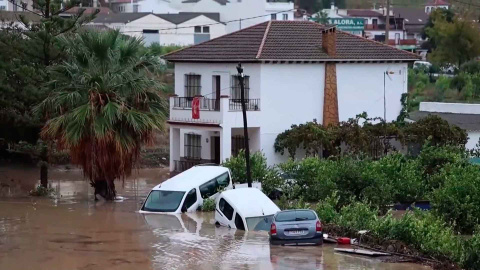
point(473, 137)
point(360, 88)
point(291, 94)
point(170, 34)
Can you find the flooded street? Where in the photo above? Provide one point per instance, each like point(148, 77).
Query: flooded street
point(71, 231)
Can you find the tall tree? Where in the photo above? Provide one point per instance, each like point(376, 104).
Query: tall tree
point(456, 41)
point(27, 47)
point(105, 104)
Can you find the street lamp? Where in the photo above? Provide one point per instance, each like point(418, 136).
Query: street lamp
point(241, 78)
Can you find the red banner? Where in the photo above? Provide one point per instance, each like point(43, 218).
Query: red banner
point(196, 108)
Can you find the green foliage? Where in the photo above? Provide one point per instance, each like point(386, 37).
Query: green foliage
point(208, 205)
point(436, 130)
point(457, 199)
point(456, 41)
point(471, 257)
point(472, 67)
point(326, 209)
point(260, 171)
point(41, 191)
point(357, 216)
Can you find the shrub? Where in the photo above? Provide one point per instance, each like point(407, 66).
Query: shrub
point(471, 257)
point(326, 209)
point(357, 216)
point(208, 205)
point(260, 171)
point(471, 67)
point(457, 200)
point(41, 191)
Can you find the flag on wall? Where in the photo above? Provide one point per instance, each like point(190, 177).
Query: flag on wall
point(196, 108)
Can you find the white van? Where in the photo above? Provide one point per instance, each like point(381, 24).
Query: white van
point(245, 209)
point(186, 191)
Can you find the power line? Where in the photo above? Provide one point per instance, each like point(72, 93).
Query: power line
point(231, 21)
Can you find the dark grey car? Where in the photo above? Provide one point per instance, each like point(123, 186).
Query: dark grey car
point(296, 227)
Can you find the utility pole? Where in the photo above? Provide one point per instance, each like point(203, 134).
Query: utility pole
point(387, 23)
point(241, 78)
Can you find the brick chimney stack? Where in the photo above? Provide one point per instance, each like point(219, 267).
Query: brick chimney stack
point(329, 40)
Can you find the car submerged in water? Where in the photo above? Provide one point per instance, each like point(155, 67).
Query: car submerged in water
point(245, 209)
point(301, 226)
point(186, 191)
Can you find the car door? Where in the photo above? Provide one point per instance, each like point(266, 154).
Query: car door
point(224, 213)
point(190, 204)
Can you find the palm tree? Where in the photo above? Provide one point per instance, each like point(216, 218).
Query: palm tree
point(104, 105)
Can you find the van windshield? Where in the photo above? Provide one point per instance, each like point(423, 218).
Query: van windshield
point(259, 223)
point(163, 201)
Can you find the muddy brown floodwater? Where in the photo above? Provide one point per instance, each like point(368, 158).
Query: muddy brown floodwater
point(71, 231)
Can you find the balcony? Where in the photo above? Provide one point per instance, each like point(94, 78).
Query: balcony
point(185, 103)
point(183, 165)
point(214, 112)
point(383, 26)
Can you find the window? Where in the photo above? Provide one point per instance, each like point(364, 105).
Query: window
point(238, 143)
point(236, 91)
point(285, 17)
point(198, 29)
point(150, 36)
point(211, 187)
point(239, 222)
point(163, 201)
point(375, 21)
point(273, 17)
point(226, 208)
point(192, 85)
point(3, 7)
point(295, 216)
point(193, 146)
point(206, 29)
point(259, 223)
point(189, 200)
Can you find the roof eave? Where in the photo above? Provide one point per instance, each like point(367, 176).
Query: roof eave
point(289, 60)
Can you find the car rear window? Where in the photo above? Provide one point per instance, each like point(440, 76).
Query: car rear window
point(298, 215)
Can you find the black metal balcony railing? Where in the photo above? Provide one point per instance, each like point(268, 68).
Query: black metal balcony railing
point(183, 165)
point(250, 104)
point(205, 103)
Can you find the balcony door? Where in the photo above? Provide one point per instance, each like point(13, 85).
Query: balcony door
point(215, 149)
point(216, 89)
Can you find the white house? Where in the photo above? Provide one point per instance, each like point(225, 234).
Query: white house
point(153, 6)
point(186, 28)
point(463, 115)
point(296, 71)
point(434, 4)
point(231, 11)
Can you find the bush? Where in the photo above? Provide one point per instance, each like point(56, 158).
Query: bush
point(41, 191)
point(457, 200)
point(357, 216)
point(260, 171)
point(208, 205)
point(471, 257)
point(326, 209)
point(471, 67)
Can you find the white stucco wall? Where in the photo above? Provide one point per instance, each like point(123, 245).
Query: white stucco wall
point(290, 94)
point(360, 88)
point(473, 137)
point(170, 34)
point(464, 108)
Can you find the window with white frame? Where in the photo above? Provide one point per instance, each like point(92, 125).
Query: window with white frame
point(236, 91)
point(273, 17)
point(285, 17)
point(193, 85)
point(193, 146)
point(3, 7)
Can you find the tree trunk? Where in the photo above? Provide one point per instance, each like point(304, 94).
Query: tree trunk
point(104, 188)
point(44, 175)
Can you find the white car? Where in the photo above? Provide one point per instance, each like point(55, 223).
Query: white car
point(186, 191)
point(245, 209)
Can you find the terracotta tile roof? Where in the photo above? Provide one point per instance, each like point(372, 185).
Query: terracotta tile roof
point(286, 40)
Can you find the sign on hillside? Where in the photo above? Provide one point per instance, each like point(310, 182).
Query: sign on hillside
point(352, 25)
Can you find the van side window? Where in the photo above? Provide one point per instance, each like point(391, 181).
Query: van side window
point(223, 181)
point(226, 208)
point(189, 200)
point(239, 222)
point(211, 187)
point(208, 189)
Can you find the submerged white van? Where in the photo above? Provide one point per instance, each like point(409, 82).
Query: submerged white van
point(245, 209)
point(186, 191)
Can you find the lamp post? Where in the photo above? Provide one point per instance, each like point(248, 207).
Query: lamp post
point(241, 78)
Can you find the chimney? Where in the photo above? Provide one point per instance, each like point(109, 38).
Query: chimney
point(329, 40)
point(332, 5)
